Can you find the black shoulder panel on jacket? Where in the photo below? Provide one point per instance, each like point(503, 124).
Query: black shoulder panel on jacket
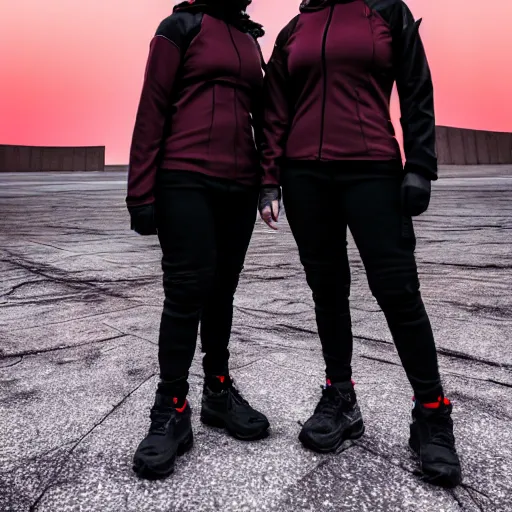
point(287, 31)
point(180, 28)
point(414, 85)
point(395, 12)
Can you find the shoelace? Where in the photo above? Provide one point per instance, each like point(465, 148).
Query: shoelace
point(441, 429)
point(237, 397)
point(330, 401)
point(159, 419)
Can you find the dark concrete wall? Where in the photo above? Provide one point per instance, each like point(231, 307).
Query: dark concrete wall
point(40, 158)
point(455, 146)
point(459, 146)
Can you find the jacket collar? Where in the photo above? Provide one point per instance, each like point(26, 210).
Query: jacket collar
point(227, 8)
point(230, 11)
point(317, 5)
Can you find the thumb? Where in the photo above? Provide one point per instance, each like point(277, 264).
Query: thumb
point(275, 209)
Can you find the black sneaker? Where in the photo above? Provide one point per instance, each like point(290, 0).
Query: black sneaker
point(337, 418)
point(433, 442)
point(170, 434)
point(224, 407)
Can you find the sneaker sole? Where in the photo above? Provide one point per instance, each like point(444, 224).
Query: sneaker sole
point(165, 468)
point(216, 422)
point(448, 480)
point(353, 432)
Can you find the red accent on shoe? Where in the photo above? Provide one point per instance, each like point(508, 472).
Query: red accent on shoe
point(436, 405)
point(179, 409)
point(222, 378)
point(182, 408)
point(328, 382)
point(352, 382)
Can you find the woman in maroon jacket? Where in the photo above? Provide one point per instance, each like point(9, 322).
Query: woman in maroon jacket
point(194, 180)
point(329, 143)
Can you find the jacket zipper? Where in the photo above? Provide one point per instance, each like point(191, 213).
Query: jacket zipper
point(324, 71)
point(236, 97)
point(367, 15)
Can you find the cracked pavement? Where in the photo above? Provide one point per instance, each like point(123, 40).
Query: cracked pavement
point(80, 300)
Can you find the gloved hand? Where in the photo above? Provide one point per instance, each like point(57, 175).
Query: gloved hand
point(143, 219)
point(416, 191)
point(269, 204)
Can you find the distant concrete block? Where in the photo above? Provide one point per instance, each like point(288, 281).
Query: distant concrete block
point(24, 158)
point(79, 161)
point(482, 148)
point(469, 143)
point(505, 150)
point(94, 158)
point(443, 147)
point(492, 144)
point(46, 158)
point(459, 146)
point(456, 144)
point(35, 160)
point(67, 160)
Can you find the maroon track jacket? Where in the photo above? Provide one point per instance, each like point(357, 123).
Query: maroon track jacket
point(200, 99)
point(328, 86)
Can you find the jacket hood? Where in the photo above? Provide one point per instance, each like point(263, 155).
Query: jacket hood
point(232, 11)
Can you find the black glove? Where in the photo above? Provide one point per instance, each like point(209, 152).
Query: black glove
point(416, 191)
point(267, 195)
point(143, 219)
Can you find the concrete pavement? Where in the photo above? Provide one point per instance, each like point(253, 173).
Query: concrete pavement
point(80, 299)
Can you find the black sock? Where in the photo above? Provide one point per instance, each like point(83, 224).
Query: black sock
point(177, 388)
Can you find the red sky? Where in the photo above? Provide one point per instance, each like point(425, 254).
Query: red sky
point(71, 71)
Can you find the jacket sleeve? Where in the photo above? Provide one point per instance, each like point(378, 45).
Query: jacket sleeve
point(161, 68)
point(276, 115)
point(416, 94)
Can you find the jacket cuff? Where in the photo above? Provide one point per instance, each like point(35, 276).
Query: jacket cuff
point(271, 177)
point(430, 174)
point(132, 202)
